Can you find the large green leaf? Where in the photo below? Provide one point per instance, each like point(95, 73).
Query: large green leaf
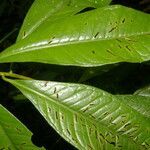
point(52, 10)
point(13, 134)
point(87, 117)
point(103, 36)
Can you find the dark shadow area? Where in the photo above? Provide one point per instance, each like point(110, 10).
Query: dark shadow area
point(85, 10)
point(12, 14)
point(126, 78)
point(143, 5)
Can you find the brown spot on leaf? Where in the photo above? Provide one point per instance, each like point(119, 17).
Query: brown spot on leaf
point(112, 29)
point(54, 90)
point(19, 130)
point(123, 20)
point(92, 116)
point(45, 84)
point(93, 52)
point(127, 125)
point(89, 147)
point(110, 52)
point(119, 46)
point(76, 117)
point(24, 33)
point(95, 36)
point(85, 109)
point(51, 40)
point(68, 131)
point(113, 143)
point(118, 40)
point(56, 114)
point(49, 109)
point(127, 47)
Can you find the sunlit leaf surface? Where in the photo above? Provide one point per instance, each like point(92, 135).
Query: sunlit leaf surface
point(87, 117)
point(101, 36)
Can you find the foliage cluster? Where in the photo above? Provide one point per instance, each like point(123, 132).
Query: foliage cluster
point(78, 72)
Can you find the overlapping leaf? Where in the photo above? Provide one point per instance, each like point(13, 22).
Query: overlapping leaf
point(103, 36)
point(87, 117)
point(52, 10)
point(13, 134)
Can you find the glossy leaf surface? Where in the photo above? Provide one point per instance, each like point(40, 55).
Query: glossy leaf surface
point(13, 134)
point(87, 117)
point(52, 10)
point(139, 103)
point(102, 36)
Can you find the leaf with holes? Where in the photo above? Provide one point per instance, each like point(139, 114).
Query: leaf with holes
point(102, 36)
point(137, 102)
point(87, 117)
point(43, 10)
point(13, 134)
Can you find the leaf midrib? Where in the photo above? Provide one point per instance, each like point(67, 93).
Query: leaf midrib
point(56, 102)
point(72, 110)
point(17, 51)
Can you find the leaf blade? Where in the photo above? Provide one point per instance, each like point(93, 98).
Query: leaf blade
point(13, 134)
point(128, 42)
point(86, 116)
point(54, 10)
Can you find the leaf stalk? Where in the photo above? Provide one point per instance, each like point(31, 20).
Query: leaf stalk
point(14, 75)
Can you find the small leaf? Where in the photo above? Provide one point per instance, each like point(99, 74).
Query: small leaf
point(87, 117)
point(13, 134)
point(102, 36)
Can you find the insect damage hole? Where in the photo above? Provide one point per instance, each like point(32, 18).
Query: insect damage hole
point(93, 52)
point(54, 90)
point(112, 29)
point(123, 21)
point(127, 47)
point(24, 34)
point(45, 84)
point(110, 52)
point(57, 95)
point(95, 36)
point(51, 40)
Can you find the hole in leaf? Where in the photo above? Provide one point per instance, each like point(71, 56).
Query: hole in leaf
point(123, 20)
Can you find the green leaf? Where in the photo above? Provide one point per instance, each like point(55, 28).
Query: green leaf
point(54, 10)
point(137, 102)
point(13, 134)
point(144, 91)
point(87, 117)
point(103, 36)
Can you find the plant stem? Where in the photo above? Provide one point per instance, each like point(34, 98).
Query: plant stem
point(9, 34)
point(13, 75)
